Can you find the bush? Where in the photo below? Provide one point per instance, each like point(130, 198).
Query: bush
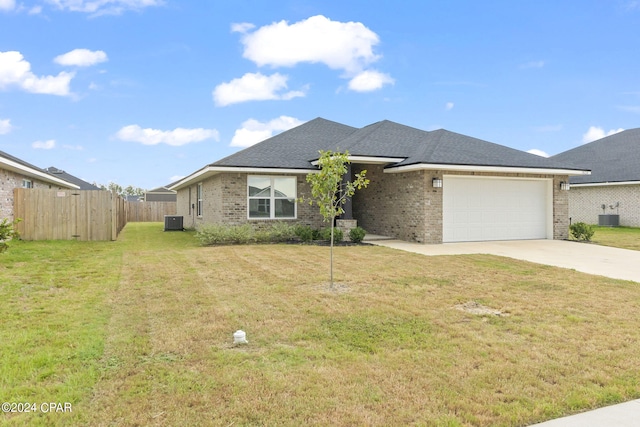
point(7, 233)
point(338, 235)
point(214, 234)
point(357, 234)
point(581, 231)
point(305, 233)
point(281, 232)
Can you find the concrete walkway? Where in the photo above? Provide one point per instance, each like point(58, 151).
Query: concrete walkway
point(585, 257)
point(588, 258)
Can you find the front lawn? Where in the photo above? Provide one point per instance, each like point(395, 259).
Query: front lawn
point(619, 237)
point(139, 332)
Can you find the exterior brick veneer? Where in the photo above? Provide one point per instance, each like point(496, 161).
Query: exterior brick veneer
point(8, 181)
point(585, 203)
point(400, 205)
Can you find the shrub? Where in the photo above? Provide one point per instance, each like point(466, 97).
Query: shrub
point(305, 233)
point(281, 232)
point(7, 233)
point(581, 231)
point(338, 235)
point(357, 234)
point(214, 234)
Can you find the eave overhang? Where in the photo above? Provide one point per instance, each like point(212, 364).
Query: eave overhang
point(34, 173)
point(480, 168)
point(209, 171)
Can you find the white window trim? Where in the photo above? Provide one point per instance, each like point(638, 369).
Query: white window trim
point(199, 200)
point(273, 198)
point(27, 183)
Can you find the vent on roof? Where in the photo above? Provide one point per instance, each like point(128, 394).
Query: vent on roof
point(173, 223)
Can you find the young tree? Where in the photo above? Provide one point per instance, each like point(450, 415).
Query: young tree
point(329, 191)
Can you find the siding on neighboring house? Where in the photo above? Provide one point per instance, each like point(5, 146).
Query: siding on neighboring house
point(585, 203)
point(10, 180)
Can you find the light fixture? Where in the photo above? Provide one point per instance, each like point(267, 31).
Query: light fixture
point(565, 185)
point(436, 183)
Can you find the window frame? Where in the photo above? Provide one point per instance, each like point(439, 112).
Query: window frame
point(27, 183)
point(272, 198)
point(199, 198)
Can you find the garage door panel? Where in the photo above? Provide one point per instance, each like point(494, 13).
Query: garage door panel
point(476, 209)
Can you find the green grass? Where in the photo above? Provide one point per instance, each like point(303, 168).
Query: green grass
point(619, 237)
point(139, 332)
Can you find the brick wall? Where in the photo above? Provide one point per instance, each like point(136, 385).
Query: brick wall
point(10, 180)
point(585, 203)
point(225, 202)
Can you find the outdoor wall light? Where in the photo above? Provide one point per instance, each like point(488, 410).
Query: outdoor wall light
point(436, 183)
point(565, 185)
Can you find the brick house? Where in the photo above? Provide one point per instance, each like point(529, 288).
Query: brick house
point(428, 187)
point(613, 188)
point(16, 173)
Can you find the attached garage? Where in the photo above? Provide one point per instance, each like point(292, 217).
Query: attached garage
point(496, 208)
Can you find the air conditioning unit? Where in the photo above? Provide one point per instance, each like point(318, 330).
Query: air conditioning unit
point(173, 223)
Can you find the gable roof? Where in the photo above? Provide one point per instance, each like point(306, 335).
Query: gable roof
point(17, 165)
point(400, 148)
point(84, 185)
point(612, 159)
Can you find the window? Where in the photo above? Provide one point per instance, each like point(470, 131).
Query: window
point(199, 197)
point(26, 183)
point(271, 197)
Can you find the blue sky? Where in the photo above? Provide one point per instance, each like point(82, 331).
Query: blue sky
point(143, 92)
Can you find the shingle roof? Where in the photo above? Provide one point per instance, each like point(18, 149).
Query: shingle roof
point(296, 148)
point(31, 170)
point(615, 158)
point(84, 185)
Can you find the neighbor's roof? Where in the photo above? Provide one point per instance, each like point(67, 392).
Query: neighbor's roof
point(397, 146)
point(84, 185)
point(612, 159)
point(17, 165)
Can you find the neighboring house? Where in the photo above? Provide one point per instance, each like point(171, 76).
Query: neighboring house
point(614, 184)
point(134, 198)
point(428, 187)
point(160, 194)
point(84, 185)
point(16, 173)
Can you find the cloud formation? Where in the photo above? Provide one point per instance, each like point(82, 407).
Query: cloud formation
point(253, 131)
point(176, 137)
point(16, 72)
point(44, 145)
point(345, 46)
point(538, 152)
point(103, 7)
point(7, 5)
point(5, 126)
point(81, 58)
point(254, 87)
point(449, 106)
point(594, 133)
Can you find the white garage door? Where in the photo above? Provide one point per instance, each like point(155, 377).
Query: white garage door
point(477, 209)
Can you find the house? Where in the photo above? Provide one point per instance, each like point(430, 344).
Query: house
point(84, 185)
point(428, 187)
point(613, 188)
point(160, 194)
point(16, 173)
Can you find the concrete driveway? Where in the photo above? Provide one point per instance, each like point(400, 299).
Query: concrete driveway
point(585, 257)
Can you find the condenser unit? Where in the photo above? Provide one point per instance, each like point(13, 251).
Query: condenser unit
point(173, 223)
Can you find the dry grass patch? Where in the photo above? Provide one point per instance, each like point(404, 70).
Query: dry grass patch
point(389, 349)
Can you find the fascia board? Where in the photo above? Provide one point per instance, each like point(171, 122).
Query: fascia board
point(477, 168)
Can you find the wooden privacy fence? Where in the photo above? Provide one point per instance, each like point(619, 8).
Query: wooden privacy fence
point(68, 214)
point(149, 211)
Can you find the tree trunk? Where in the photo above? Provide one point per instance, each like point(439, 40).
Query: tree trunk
point(331, 259)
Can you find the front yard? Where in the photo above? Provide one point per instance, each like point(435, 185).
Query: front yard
point(139, 332)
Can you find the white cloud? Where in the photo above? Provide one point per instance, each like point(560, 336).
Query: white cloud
point(595, 133)
point(5, 126)
point(15, 71)
point(81, 58)
point(176, 137)
point(44, 145)
point(449, 106)
point(253, 87)
point(175, 178)
point(253, 131)
point(242, 27)
point(538, 152)
point(339, 45)
point(104, 7)
point(35, 10)
point(533, 64)
point(370, 80)
point(7, 5)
